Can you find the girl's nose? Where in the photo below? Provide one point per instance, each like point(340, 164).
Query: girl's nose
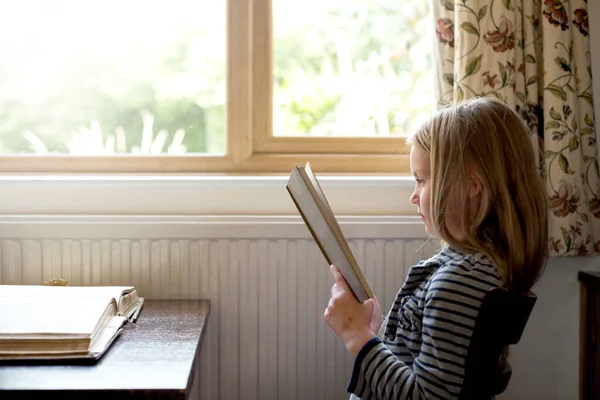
point(414, 198)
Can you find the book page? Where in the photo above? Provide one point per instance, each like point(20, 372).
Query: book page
point(43, 316)
point(128, 303)
point(64, 291)
point(106, 336)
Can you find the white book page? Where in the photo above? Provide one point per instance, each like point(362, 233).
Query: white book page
point(107, 335)
point(63, 291)
point(99, 347)
point(55, 315)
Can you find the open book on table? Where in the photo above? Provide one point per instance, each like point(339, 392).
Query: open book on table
point(310, 201)
point(56, 322)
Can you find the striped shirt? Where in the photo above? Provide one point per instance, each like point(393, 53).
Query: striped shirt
point(421, 349)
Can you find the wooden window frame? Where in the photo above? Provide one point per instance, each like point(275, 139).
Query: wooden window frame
point(250, 144)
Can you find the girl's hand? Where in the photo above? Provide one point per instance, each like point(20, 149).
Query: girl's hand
point(376, 318)
point(351, 321)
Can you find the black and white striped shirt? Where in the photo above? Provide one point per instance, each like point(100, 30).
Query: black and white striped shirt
point(422, 347)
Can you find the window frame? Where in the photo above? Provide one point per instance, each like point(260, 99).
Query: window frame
point(251, 146)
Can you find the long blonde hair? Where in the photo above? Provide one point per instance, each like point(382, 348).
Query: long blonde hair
point(485, 137)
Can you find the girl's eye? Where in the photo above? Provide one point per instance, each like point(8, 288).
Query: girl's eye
point(419, 181)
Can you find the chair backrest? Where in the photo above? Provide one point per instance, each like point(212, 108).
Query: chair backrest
point(501, 322)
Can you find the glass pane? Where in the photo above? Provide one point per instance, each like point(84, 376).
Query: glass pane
point(352, 67)
point(112, 77)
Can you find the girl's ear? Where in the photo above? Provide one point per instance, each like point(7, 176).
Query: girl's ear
point(475, 185)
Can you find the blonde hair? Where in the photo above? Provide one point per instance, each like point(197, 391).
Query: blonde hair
point(485, 137)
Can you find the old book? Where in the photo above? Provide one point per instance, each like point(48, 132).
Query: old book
point(314, 208)
point(48, 322)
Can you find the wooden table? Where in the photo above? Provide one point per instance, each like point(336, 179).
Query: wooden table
point(590, 348)
point(156, 360)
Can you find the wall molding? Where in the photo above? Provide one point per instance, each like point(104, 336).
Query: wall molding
point(198, 227)
point(195, 195)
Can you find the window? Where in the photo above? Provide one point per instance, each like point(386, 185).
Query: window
point(222, 86)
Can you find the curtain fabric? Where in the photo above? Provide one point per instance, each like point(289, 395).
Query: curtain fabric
point(534, 55)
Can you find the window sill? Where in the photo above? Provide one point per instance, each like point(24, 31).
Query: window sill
point(195, 195)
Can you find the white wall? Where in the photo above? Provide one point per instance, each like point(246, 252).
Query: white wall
point(546, 361)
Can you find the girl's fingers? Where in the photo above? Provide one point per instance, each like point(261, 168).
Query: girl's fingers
point(338, 278)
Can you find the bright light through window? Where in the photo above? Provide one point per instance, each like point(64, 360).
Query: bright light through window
point(352, 67)
point(110, 77)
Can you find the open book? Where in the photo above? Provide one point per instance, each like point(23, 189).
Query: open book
point(310, 200)
point(55, 322)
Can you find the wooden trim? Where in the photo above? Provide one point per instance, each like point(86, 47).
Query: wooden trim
point(590, 278)
point(262, 73)
point(365, 164)
point(331, 145)
point(114, 164)
point(330, 163)
point(238, 109)
point(582, 340)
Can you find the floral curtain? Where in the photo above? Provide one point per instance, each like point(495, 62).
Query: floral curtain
point(535, 56)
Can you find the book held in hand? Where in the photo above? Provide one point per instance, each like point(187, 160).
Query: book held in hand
point(310, 201)
point(62, 322)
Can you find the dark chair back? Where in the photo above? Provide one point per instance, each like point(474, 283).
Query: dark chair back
point(501, 321)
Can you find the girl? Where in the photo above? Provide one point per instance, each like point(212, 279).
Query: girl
point(478, 189)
